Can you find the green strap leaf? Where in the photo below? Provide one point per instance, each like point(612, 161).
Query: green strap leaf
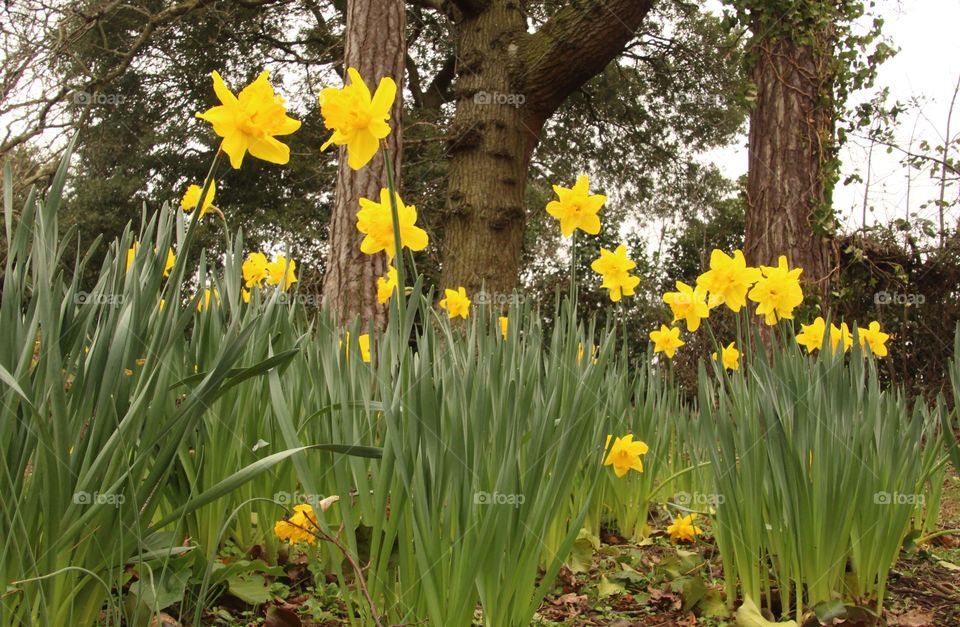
point(257, 468)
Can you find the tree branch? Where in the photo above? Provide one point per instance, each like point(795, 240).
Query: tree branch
point(470, 7)
point(574, 45)
point(440, 89)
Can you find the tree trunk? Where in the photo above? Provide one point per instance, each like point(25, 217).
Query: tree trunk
point(489, 149)
point(791, 148)
point(375, 45)
point(508, 84)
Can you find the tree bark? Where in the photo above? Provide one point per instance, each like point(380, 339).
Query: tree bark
point(791, 148)
point(508, 84)
point(375, 44)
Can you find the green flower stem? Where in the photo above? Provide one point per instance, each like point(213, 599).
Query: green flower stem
point(398, 249)
point(676, 475)
point(180, 261)
point(936, 534)
point(573, 268)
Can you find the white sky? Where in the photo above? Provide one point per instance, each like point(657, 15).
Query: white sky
point(927, 33)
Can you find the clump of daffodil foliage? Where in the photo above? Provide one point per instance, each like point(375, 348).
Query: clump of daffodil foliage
point(186, 407)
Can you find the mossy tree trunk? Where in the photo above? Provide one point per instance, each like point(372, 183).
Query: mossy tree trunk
point(508, 84)
point(374, 44)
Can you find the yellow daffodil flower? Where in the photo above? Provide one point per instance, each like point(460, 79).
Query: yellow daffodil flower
point(778, 292)
point(251, 121)
point(363, 341)
point(357, 119)
point(873, 337)
point(456, 303)
point(255, 269)
point(840, 334)
point(683, 529)
point(282, 273)
point(811, 335)
point(167, 265)
point(191, 198)
point(576, 208)
point(204, 302)
point(666, 340)
point(504, 323)
point(689, 304)
point(730, 357)
point(302, 526)
point(594, 349)
point(625, 454)
point(728, 279)
point(376, 222)
point(615, 268)
point(386, 285)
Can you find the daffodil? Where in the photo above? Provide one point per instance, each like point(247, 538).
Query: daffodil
point(251, 121)
point(456, 303)
point(615, 268)
point(281, 272)
point(666, 340)
point(689, 304)
point(811, 335)
point(386, 285)
point(167, 265)
point(204, 301)
point(728, 279)
point(840, 334)
point(302, 526)
point(625, 454)
point(363, 341)
point(191, 198)
point(576, 208)
point(357, 119)
point(730, 356)
point(375, 220)
point(504, 323)
point(254, 269)
point(683, 529)
point(873, 337)
point(778, 292)
point(594, 349)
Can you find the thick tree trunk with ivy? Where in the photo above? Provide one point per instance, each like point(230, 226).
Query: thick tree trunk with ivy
point(791, 157)
point(350, 283)
point(508, 83)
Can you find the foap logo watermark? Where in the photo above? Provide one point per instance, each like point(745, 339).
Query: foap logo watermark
point(897, 498)
point(298, 498)
point(687, 499)
point(86, 298)
point(897, 298)
point(689, 298)
point(96, 498)
point(496, 498)
point(493, 298)
point(309, 300)
point(97, 98)
point(499, 98)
